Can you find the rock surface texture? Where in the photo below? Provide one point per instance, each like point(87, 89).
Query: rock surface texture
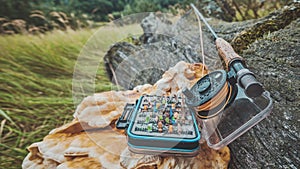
point(274, 57)
point(270, 46)
point(92, 141)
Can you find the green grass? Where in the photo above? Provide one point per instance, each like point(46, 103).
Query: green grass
point(36, 87)
point(36, 74)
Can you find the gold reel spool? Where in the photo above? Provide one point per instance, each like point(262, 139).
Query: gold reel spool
point(216, 104)
point(210, 95)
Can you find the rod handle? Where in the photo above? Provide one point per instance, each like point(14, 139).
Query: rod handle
point(226, 52)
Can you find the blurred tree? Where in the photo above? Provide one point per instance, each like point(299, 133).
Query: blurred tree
point(252, 9)
point(98, 10)
point(16, 9)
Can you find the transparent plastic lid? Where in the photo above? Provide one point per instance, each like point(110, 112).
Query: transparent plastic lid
point(240, 116)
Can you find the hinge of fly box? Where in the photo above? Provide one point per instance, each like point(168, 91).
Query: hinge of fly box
point(124, 120)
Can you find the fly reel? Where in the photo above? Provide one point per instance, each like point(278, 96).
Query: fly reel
point(211, 94)
point(224, 106)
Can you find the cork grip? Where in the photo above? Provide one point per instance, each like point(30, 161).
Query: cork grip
point(226, 52)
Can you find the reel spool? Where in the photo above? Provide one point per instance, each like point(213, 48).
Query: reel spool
point(211, 94)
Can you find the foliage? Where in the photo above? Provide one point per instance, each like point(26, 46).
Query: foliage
point(16, 9)
point(38, 22)
point(239, 10)
point(138, 6)
point(253, 9)
point(77, 13)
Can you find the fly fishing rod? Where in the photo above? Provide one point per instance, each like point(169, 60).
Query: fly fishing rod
point(234, 63)
point(216, 90)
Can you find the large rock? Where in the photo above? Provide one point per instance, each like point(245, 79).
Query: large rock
point(160, 47)
point(270, 46)
point(273, 143)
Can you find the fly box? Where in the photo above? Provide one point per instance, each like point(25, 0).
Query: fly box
point(160, 125)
